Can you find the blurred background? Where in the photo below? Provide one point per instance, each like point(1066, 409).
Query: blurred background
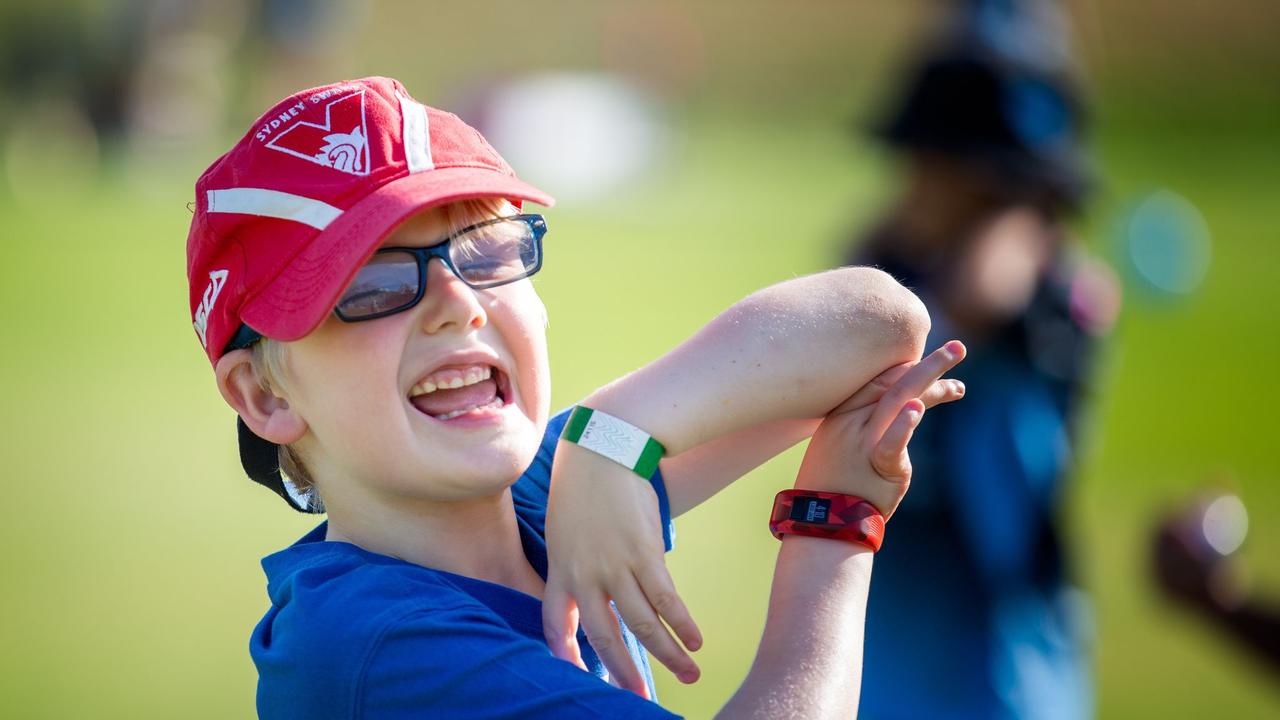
point(700, 150)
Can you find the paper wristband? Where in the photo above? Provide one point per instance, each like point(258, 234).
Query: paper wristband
point(616, 439)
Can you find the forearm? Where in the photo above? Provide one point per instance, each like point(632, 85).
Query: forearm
point(792, 351)
point(809, 663)
point(1255, 626)
point(695, 475)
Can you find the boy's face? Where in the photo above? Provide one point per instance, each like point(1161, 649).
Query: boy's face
point(359, 388)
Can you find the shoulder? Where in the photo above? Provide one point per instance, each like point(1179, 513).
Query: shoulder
point(330, 614)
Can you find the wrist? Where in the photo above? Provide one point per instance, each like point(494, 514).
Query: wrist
point(615, 439)
point(883, 494)
point(835, 516)
point(627, 399)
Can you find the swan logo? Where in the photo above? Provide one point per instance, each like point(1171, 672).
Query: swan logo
point(341, 142)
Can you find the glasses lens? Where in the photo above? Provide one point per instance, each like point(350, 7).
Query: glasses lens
point(496, 253)
point(388, 282)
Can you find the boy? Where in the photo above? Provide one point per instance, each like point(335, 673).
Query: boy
point(359, 282)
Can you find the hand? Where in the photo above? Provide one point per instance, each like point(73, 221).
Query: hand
point(604, 542)
point(1189, 567)
point(596, 556)
point(861, 446)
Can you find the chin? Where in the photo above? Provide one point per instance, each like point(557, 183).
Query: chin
point(488, 470)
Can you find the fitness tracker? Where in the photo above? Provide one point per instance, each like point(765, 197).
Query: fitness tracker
point(827, 515)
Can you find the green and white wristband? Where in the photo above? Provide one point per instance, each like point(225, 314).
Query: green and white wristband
point(616, 439)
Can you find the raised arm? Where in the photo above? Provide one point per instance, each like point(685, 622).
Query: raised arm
point(759, 377)
point(809, 663)
point(751, 383)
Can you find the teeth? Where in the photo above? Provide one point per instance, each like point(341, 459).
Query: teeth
point(495, 403)
point(451, 379)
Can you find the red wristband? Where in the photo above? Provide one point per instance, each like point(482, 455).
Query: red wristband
point(827, 515)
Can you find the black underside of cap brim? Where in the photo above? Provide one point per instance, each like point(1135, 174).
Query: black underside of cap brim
point(261, 461)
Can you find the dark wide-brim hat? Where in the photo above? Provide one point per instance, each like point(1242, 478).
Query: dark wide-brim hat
point(998, 91)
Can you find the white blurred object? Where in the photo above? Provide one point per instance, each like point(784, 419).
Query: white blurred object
point(579, 136)
point(1224, 524)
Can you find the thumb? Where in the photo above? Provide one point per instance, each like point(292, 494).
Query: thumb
point(560, 622)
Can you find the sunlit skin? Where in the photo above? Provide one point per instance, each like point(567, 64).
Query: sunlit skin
point(395, 480)
point(399, 482)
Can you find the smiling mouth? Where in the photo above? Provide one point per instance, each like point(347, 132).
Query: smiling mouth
point(455, 391)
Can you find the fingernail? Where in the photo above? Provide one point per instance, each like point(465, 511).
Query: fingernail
point(959, 387)
point(688, 677)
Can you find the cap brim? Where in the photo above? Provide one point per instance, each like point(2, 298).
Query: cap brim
point(304, 293)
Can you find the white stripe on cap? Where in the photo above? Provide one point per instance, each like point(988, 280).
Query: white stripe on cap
point(417, 135)
point(273, 203)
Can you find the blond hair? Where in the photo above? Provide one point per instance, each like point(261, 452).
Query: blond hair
point(270, 361)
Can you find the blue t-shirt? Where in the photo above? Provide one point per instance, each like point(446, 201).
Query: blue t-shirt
point(355, 634)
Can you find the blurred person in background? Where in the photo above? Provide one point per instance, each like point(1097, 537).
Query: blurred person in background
point(975, 616)
point(1194, 564)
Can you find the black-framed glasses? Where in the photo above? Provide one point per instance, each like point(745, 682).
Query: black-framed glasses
point(485, 255)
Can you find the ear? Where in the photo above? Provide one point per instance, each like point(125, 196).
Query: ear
point(268, 415)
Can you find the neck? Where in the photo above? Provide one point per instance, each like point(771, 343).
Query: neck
point(478, 538)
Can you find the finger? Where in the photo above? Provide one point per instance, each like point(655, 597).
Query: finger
point(649, 630)
point(913, 384)
point(560, 622)
point(871, 393)
point(890, 459)
point(943, 391)
point(601, 626)
point(658, 588)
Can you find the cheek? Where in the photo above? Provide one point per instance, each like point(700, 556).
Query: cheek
point(342, 386)
point(521, 320)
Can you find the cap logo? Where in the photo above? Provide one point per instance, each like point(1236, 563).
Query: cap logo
point(341, 142)
point(217, 279)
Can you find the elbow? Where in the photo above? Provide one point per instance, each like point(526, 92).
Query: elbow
point(890, 315)
point(857, 312)
point(908, 318)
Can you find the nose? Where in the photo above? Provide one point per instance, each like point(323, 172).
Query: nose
point(448, 302)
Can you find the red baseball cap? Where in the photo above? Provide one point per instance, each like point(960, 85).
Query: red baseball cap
point(285, 218)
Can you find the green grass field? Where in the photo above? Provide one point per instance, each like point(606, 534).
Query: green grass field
point(131, 539)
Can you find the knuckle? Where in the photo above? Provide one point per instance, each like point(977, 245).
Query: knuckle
point(644, 629)
point(665, 601)
point(601, 642)
point(885, 457)
point(898, 394)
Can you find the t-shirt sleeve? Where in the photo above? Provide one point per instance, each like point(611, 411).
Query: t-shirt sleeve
point(464, 663)
point(530, 492)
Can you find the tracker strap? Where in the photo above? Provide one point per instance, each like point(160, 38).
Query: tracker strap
point(827, 515)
